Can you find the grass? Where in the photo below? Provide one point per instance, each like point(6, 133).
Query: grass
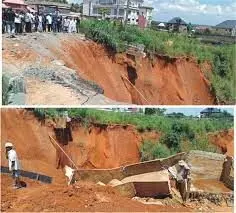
point(143, 122)
point(116, 37)
point(178, 133)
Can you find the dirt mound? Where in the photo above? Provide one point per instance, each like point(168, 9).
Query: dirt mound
point(224, 140)
point(159, 80)
point(83, 197)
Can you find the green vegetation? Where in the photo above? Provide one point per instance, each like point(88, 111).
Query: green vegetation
point(151, 151)
point(179, 133)
point(187, 126)
point(116, 37)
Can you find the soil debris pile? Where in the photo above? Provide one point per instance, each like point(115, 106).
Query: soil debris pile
point(82, 196)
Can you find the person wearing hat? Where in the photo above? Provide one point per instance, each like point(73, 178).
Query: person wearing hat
point(14, 166)
point(183, 179)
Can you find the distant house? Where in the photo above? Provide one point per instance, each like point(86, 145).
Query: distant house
point(202, 29)
point(209, 112)
point(15, 4)
point(48, 6)
point(226, 28)
point(176, 23)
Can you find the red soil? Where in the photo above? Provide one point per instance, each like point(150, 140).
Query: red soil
point(31, 141)
point(82, 196)
point(224, 140)
point(210, 185)
point(97, 147)
point(162, 81)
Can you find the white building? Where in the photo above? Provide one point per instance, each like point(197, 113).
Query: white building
point(115, 9)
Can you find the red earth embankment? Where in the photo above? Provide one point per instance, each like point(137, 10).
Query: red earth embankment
point(162, 80)
point(98, 146)
point(224, 140)
point(158, 79)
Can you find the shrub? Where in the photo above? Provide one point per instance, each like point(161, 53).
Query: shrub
point(160, 151)
point(172, 140)
point(150, 151)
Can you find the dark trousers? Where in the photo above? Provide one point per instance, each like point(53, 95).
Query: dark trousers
point(54, 27)
point(36, 27)
point(3, 27)
point(28, 27)
point(49, 27)
point(58, 27)
point(17, 26)
point(44, 27)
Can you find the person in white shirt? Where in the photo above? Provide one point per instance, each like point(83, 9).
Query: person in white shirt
point(17, 22)
point(14, 165)
point(66, 23)
point(49, 22)
point(72, 26)
point(28, 27)
point(40, 23)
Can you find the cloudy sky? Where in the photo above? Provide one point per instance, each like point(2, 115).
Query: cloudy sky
point(209, 12)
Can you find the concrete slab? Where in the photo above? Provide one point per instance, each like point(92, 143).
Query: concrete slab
point(150, 184)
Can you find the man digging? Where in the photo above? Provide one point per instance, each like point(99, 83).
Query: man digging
point(14, 165)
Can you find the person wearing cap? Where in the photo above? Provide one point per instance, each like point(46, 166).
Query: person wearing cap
point(183, 179)
point(14, 166)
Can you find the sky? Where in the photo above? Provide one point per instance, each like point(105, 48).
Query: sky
point(207, 12)
point(194, 111)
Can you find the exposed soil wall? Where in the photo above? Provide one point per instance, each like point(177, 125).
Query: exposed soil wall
point(105, 146)
point(161, 80)
point(99, 146)
point(224, 140)
point(227, 175)
point(31, 142)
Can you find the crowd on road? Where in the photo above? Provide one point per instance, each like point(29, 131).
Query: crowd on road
point(17, 22)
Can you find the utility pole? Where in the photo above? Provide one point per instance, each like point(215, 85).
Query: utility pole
point(127, 12)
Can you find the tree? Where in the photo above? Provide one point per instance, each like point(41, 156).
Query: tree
point(104, 11)
point(189, 27)
point(76, 8)
point(152, 111)
point(176, 115)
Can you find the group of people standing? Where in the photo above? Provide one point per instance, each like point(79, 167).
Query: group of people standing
point(17, 22)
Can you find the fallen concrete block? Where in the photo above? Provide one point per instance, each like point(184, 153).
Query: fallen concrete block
point(126, 189)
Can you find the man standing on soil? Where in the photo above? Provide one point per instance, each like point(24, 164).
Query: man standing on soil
point(28, 22)
point(14, 165)
point(49, 22)
point(183, 179)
